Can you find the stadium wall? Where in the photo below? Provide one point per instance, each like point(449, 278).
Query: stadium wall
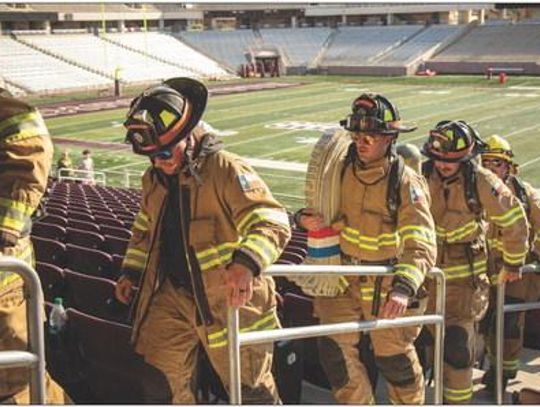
point(458, 67)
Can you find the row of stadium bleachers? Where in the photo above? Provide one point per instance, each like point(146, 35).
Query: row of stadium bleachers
point(39, 72)
point(497, 43)
point(106, 57)
point(227, 47)
point(354, 46)
point(419, 44)
point(301, 45)
point(167, 47)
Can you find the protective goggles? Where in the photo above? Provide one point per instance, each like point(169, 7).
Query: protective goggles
point(367, 124)
point(163, 154)
point(492, 162)
point(369, 138)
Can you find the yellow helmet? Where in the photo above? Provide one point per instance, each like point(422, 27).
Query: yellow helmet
point(497, 147)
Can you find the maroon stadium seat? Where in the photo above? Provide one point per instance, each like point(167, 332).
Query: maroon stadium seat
point(95, 296)
point(55, 210)
point(91, 240)
point(113, 371)
point(54, 219)
point(49, 231)
point(89, 261)
point(84, 216)
point(102, 220)
point(83, 225)
point(52, 280)
point(49, 251)
point(115, 231)
point(115, 245)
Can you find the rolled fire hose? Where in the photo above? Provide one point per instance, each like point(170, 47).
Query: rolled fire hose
point(323, 193)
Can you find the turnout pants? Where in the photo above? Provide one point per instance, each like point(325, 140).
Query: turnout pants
point(395, 354)
point(170, 336)
point(525, 290)
point(462, 303)
point(14, 388)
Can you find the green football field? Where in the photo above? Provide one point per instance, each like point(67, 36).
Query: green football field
point(280, 126)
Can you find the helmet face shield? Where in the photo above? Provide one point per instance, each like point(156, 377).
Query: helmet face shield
point(452, 141)
point(163, 115)
point(374, 114)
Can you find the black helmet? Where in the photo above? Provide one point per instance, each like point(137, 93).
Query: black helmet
point(163, 115)
point(453, 141)
point(372, 113)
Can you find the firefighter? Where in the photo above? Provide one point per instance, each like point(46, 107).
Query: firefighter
point(25, 159)
point(372, 232)
point(498, 157)
point(207, 229)
point(465, 197)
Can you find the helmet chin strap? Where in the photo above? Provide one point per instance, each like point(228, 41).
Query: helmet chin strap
point(188, 164)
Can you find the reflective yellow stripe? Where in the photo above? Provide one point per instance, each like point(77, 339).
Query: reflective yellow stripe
point(367, 242)
point(417, 233)
point(268, 321)
point(495, 244)
point(14, 215)
point(514, 258)
point(141, 221)
point(26, 254)
point(275, 216)
point(411, 273)
point(216, 256)
point(454, 272)
point(135, 258)
point(22, 126)
point(508, 218)
point(458, 394)
point(343, 284)
point(262, 247)
point(457, 234)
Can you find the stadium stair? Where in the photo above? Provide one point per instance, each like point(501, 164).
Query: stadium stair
point(373, 60)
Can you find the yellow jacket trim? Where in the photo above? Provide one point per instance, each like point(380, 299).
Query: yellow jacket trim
point(25, 125)
point(411, 273)
point(369, 243)
point(135, 259)
point(458, 394)
point(268, 321)
point(417, 233)
point(457, 234)
point(343, 283)
point(216, 256)
point(461, 271)
point(514, 258)
point(14, 215)
point(508, 218)
point(262, 215)
point(262, 247)
point(141, 221)
point(26, 254)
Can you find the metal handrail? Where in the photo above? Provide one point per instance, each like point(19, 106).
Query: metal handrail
point(98, 177)
point(35, 356)
point(237, 339)
point(501, 309)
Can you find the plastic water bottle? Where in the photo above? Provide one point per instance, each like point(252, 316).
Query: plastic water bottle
point(57, 317)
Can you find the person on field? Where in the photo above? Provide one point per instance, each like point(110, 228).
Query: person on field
point(207, 229)
point(466, 197)
point(372, 232)
point(26, 154)
point(499, 158)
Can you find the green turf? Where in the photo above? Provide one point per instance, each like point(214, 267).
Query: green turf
point(492, 107)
